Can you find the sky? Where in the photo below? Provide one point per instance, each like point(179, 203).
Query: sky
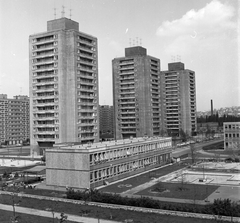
point(203, 34)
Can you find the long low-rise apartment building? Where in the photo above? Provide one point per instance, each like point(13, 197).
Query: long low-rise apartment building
point(93, 165)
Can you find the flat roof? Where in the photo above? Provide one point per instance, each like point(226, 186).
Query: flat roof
point(108, 144)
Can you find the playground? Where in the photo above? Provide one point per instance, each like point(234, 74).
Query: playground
point(210, 173)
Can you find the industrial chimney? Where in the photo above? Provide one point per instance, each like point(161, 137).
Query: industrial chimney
point(211, 107)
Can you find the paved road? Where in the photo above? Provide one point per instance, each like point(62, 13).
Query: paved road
point(48, 214)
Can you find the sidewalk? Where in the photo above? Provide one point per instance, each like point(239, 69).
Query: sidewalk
point(49, 214)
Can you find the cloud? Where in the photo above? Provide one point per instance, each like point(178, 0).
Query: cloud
point(213, 18)
point(206, 28)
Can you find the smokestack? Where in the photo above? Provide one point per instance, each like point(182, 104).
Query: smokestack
point(211, 108)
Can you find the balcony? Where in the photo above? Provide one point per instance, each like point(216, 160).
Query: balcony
point(87, 69)
point(128, 117)
point(133, 128)
point(86, 47)
point(51, 139)
point(41, 75)
point(130, 63)
point(44, 61)
point(91, 77)
point(43, 47)
point(44, 125)
point(128, 131)
point(127, 78)
point(86, 41)
point(87, 124)
point(44, 118)
point(49, 68)
point(87, 138)
point(45, 82)
point(126, 72)
point(87, 83)
point(87, 96)
point(86, 55)
point(86, 62)
point(127, 96)
point(44, 90)
point(127, 112)
point(128, 81)
point(125, 86)
point(42, 40)
point(44, 54)
point(49, 132)
point(87, 110)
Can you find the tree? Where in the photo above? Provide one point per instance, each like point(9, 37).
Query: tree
point(208, 131)
point(193, 152)
point(183, 135)
point(212, 133)
point(162, 133)
point(43, 158)
point(63, 218)
point(15, 200)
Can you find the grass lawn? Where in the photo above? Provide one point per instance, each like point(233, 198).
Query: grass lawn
point(213, 146)
point(141, 179)
point(92, 211)
point(178, 190)
point(224, 152)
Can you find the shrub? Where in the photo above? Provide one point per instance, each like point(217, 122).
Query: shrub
point(219, 207)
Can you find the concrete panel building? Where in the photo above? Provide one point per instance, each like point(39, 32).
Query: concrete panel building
point(136, 94)
point(93, 165)
point(14, 119)
point(63, 87)
point(178, 99)
point(106, 121)
point(231, 132)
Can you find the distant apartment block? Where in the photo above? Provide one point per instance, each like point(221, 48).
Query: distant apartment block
point(231, 135)
point(136, 94)
point(106, 121)
point(178, 99)
point(98, 164)
point(63, 85)
point(14, 119)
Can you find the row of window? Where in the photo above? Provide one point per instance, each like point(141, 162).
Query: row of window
point(114, 154)
point(232, 135)
point(232, 126)
point(114, 170)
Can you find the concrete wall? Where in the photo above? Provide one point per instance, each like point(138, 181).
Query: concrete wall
point(67, 168)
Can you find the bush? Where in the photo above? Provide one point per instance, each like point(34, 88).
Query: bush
point(219, 207)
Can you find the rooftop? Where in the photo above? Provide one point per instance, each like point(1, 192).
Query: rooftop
point(105, 144)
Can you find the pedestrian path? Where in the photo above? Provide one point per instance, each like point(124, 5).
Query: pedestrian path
point(49, 214)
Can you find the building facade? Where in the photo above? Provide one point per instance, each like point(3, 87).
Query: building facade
point(63, 85)
point(106, 121)
point(136, 94)
point(97, 164)
point(231, 132)
point(178, 99)
point(14, 119)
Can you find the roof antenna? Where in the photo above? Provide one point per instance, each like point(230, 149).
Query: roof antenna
point(55, 13)
point(63, 7)
point(70, 10)
point(136, 41)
